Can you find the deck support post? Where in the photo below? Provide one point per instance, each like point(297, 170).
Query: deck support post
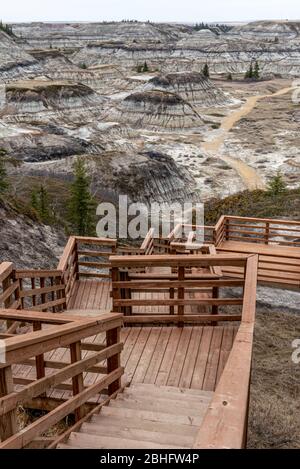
point(8, 422)
point(215, 308)
point(114, 362)
point(181, 274)
point(39, 359)
point(77, 381)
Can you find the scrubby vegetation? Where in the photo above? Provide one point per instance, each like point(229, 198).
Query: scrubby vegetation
point(6, 28)
point(275, 385)
point(259, 203)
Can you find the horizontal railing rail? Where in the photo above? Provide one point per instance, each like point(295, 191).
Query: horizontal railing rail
point(225, 424)
point(188, 292)
point(72, 376)
point(258, 230)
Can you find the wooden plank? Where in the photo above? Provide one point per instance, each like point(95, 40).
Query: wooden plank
point(6, 269)
point(113, 362)
point(70, 246)
point(227, 340)
point(200, 367)
point(8, 422)
point(38, 273)
point(143, 365)
point(38, 291)
point(157, 357)
point(136, 353)
point(191, 357)
point(177, 261)
point(179, 302)
point(144, 284)
point(179, 358)
point(77, 379)
point(167, 362)
point(211, 370)
point(224, 425)
point(187, 318)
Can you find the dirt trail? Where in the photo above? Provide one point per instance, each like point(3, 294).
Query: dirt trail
point(248, 174)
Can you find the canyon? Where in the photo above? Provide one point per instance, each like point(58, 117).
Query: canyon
point(131, 99)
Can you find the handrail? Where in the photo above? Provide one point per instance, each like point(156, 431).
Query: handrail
point(178, 297)
point(229, 406)
point(34, 345)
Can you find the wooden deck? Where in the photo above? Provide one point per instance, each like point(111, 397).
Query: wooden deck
point(190, 357)
point(276, 264)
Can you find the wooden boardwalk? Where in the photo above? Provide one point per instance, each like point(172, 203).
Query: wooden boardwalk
point(189, 357)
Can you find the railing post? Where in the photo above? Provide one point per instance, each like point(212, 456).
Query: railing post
point(181, 272)
point(215, 308)
point(226, 229)
point(77, 381)
point(114, 362)
point(8, 422)
point(115, 276)
point(267, 232)
point(39, 359)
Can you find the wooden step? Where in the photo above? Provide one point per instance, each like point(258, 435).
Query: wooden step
point(158, 404)
point(152, 415)
point(139, 434)
point(171, 393)
point(84, 440)
point(169, 389)
point(144, 424)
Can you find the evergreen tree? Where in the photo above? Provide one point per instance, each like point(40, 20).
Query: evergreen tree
point(145, 67)
point(229, 76)
point(41, 204)
point(256, 73)
point(82, 206)
point(44, 204)
point(205, 70)
point(4, 185)
point(249, 73)
point(34, 200)
point(276, 185)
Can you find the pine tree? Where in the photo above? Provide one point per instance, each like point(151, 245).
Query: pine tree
point(82, 206)
point(39, 199)
point(145, 68)
point(256, 73)
point(229, 76)
point(249, 73)
point(4, 185)
point(205, 70)
point(276, 185)
point(34, 200)
point(44, 204)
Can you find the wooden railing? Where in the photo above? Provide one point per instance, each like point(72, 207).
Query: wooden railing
point(225, 423)
point(180, 297)
point(41, 290)
point(9, 286)
point(52, 333)
point(257, 230)
point(187, 233)
point(85, 258)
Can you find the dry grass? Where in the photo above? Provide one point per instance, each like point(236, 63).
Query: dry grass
point(275, 390)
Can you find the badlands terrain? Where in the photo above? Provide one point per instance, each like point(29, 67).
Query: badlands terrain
point(165, 133)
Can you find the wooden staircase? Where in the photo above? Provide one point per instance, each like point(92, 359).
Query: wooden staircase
point(145, 416)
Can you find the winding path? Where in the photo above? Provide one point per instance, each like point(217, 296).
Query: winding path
point(248, 174)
